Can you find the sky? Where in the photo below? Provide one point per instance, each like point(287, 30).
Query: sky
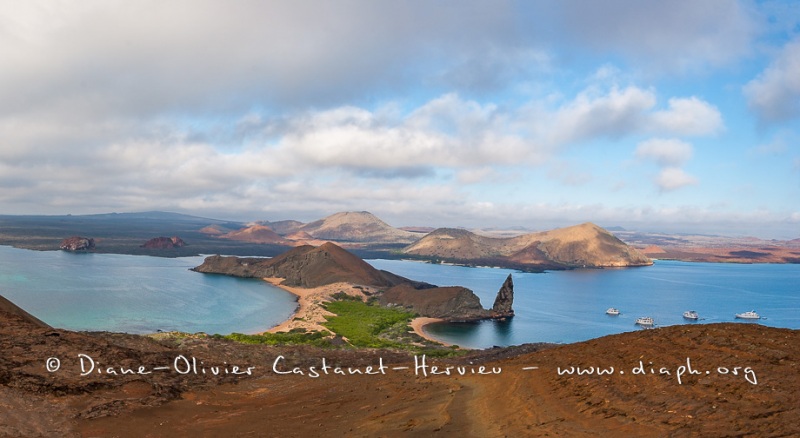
point(679, 116)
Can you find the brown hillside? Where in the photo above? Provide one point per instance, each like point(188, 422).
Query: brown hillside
point(454, 243)
point(283, 227)
point(214, 230)
point(255, 234)
point(300, 238)
point(577, 246)
point(357, 227)
point(527, 398)
point(311, 267)
point(304, 266)
point(451, 303)
point(10, 308)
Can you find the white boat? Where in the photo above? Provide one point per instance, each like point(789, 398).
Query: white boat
point(748, 315)
point(612, 311)
point(645, 321)
point(691, 314)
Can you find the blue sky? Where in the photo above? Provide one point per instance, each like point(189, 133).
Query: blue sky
point(679, 116)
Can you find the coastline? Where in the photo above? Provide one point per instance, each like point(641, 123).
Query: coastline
point(310, 314)
point(418, 325)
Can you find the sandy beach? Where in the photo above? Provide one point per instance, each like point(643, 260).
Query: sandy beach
point(418, 325)
point(310, 314)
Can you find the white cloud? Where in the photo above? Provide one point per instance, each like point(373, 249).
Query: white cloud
point(689, 116)
point(614, 114)
point(446, 131)
point(775, 93)
point(673, 178)
point(669, 154)
point(665, 152)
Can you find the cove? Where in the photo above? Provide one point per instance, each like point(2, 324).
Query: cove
point(137, 294)
point(569, 306)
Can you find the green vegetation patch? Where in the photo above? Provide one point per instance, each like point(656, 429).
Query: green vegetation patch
point(319, 339)
point(367, 325)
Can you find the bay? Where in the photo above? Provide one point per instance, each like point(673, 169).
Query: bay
point(569, 306)
point(137, 294)
point(141, 294)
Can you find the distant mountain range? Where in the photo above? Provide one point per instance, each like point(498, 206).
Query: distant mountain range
point(585, 245)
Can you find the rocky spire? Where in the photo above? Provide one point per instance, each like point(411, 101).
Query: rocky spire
point(504, 300)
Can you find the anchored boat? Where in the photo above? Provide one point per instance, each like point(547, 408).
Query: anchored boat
point(691, 314)
point(748, 315)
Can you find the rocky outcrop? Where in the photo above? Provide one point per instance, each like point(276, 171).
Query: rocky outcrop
point(164, 243)
point(451, 303)
point(504, 300)
point(77, 243)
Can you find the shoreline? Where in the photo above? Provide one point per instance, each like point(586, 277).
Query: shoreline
point(418, 325)
point(310, 314)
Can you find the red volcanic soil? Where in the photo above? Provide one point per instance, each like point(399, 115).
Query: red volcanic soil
point(730, 254)
point(215, 230)
point(689, 380)
point(164, 243)
point(255, 234)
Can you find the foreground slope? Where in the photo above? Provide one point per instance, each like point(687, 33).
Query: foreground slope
point(585, 245)
point(519, 401)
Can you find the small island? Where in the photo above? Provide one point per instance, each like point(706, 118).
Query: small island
point(318, 275)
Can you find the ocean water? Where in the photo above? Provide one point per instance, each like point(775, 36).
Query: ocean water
point(137, 294)
point(140, 294)
point(569, 306)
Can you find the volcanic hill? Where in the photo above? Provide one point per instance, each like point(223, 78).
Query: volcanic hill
point(585, 245)
point(312, 267)
point(304, 266)
point(256, 234)
point(359, 226)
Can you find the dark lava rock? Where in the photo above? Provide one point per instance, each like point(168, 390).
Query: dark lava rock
point(453, 303)
point(504, 300)
point(164, 243)
point(77, 243)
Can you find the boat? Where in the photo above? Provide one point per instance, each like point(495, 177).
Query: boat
point(748, 315)
point(612, 311)
point(691, 314)
point(645, 321)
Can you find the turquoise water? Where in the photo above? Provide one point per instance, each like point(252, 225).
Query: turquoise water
point(569, 306)
point(137, 294)
point(140, 294)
